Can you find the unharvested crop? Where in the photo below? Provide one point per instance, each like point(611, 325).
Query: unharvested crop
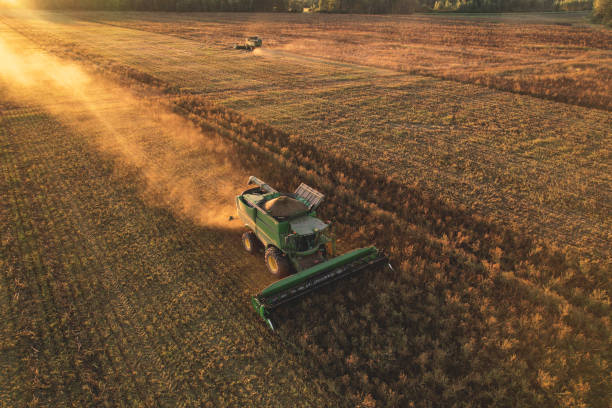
point(474, 311)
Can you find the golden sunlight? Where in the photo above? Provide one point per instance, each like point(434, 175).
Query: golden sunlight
point(10, 3)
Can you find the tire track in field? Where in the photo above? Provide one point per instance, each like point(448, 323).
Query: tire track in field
point(22, 289)
point(10, 283)
point(48, 307)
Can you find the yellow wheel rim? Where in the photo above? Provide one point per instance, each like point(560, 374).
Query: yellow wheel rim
point(247, 244)
point(272, 263)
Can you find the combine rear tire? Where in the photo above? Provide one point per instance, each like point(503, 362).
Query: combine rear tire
point(277, 263)
point(250, 242)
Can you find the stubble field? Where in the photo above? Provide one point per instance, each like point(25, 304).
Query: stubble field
point(116, 288)
point(558, 56)
point(493, 206)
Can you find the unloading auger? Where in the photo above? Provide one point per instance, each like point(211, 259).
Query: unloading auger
point(296, 244)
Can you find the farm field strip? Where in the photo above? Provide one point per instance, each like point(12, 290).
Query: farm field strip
point(490, 151)
point(516, 53)
point(106, 286)
point(125, 331)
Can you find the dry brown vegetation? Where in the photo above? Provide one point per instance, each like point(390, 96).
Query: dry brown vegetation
point(564, 59)
point(477, 312)
point(474, 314)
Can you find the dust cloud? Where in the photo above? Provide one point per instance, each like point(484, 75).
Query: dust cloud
point(184, 169)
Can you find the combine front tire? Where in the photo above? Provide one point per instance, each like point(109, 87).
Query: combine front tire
point(277, 263)
point(250, 242)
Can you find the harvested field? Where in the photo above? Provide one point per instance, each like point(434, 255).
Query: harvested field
point(107, 301)
point(557, 56)
point(484, 308)
point(108, 298)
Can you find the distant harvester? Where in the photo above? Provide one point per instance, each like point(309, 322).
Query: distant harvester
point(250, 43)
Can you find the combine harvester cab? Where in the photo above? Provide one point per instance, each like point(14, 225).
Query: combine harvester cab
point(297, 246)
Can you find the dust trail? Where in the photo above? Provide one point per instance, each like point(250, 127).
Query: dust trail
point(186, 170)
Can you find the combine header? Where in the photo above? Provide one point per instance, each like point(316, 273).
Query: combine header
point(296, 245)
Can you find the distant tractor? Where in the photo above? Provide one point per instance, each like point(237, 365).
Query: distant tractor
point(250, 43)
point(295, 243)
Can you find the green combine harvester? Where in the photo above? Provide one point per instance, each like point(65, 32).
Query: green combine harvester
point(250, 43)
point(296, 244)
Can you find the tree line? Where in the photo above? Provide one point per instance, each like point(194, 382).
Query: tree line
point(471, 6)
point(602, 11)
point(164, 5)
point(333, 6)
